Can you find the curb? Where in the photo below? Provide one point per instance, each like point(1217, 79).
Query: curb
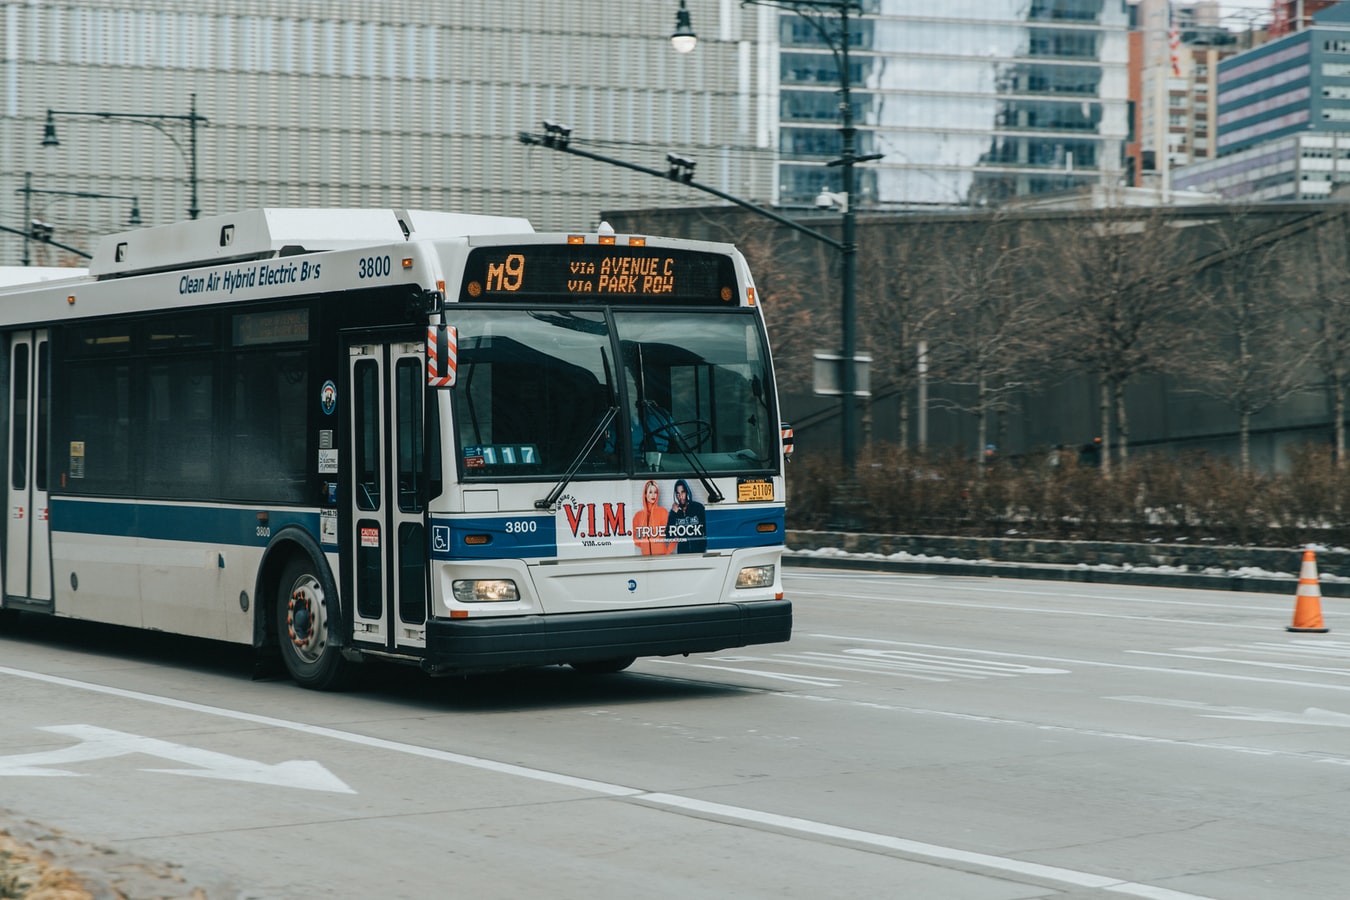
point(1072, 573)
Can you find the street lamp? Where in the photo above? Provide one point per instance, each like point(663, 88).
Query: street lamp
point(837, 39)
point(556, 135)
point(828, 199)
point(155, 121)
point(681, 168)
point(36, 230)
point(683, 40)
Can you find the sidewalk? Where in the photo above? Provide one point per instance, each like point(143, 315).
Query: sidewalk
point(39, 863)
point(1260, 569)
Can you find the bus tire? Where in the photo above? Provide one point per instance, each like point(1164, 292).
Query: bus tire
point(603, 666)
point(9, 618)
point(311, 658)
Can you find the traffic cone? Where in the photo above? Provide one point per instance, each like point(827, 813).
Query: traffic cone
point(1308, 600)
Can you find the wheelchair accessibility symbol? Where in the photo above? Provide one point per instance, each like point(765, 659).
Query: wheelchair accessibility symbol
point(440, 538)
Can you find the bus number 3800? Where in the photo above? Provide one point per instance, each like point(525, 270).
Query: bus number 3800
point(373, 267)
point(521, 526)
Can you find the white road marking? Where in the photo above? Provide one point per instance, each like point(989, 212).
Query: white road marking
point(1235, 604)
point(1292, 755)
point(965, 666)
point(918, 848)
point(1303, 648)
point(1310, 716)
point(1060, 611)
point(781, 676)
point(906, 664)
point(1161, 670)
point(1289, 667)
point(104, 743)
point(670, 801)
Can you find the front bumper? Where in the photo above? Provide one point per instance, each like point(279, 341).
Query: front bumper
point(485, 645)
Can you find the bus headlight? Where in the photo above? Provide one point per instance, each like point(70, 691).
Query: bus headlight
point(486, 591)
point(755, 577)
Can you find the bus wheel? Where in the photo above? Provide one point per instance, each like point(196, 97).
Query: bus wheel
point(8, 618)
point(603, 666)
point(302, 630)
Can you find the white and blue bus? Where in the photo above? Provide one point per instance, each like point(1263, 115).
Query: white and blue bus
point(438, 439)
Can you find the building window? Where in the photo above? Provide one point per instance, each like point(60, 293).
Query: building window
point(1063, 44)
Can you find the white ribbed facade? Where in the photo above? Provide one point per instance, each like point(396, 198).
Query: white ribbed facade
point(412, 103)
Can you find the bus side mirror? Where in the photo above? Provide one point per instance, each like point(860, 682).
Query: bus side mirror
point(425, 303)
point(786, 431)
point(442, 355)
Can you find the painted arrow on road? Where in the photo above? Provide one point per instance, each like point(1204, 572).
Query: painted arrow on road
point(104, 743)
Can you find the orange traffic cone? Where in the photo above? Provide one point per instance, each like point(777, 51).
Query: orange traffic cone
point(1308, 600)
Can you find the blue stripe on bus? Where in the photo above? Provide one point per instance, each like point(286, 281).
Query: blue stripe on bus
point(731, 528)
point(534, 536)
point(508, 537)
point(201, 524)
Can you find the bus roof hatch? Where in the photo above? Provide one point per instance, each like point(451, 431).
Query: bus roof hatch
point(265, 233)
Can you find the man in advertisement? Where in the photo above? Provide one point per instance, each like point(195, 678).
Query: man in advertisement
point(687, 524)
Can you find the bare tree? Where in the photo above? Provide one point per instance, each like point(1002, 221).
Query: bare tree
point(1323, 288)
point(1247, 347)
point(1121, 280)
point(896, 305)
point(988, 330)
point(792, 286)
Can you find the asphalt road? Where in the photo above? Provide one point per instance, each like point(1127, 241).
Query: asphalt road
point(921, 736)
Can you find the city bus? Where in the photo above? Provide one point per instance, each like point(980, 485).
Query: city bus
point(445, 440)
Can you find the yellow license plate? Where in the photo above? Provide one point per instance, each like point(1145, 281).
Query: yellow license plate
point(750, 491)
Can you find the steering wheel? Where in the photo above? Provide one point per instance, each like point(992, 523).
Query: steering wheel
point(695, 433)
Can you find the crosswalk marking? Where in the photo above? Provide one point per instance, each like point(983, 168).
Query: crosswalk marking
point(894, 663)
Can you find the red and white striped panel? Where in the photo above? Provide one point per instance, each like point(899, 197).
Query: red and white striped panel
point(442, 355)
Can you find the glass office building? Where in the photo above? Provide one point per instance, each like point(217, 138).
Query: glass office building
point(970, 101)
point(1284, 117)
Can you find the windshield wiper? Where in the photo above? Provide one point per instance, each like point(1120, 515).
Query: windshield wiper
point(553, 495)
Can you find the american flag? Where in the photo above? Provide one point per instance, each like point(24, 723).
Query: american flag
point(1173, 41)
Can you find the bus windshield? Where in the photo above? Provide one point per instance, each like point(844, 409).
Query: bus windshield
point(690, 391)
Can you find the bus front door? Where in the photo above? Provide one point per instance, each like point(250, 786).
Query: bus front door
point(386, 485)
point(28, 563)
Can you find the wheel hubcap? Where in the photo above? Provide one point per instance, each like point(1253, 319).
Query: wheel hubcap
point(305, 619)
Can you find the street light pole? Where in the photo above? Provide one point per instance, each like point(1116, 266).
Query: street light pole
point(681, 170)
point(849, 259)
point(27, 216)
point(155, 121)
point(31, 224)
point(76, 250)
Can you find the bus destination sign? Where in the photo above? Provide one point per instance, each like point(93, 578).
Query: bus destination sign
point(589, 273)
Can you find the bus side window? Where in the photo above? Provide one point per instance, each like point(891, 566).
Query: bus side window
point(409, 390)
point(367, 436)
point(433, 432)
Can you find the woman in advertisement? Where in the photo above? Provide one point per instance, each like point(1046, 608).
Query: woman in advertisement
point(649, 523)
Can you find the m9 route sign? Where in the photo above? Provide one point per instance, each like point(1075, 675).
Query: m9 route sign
point(608, 274)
